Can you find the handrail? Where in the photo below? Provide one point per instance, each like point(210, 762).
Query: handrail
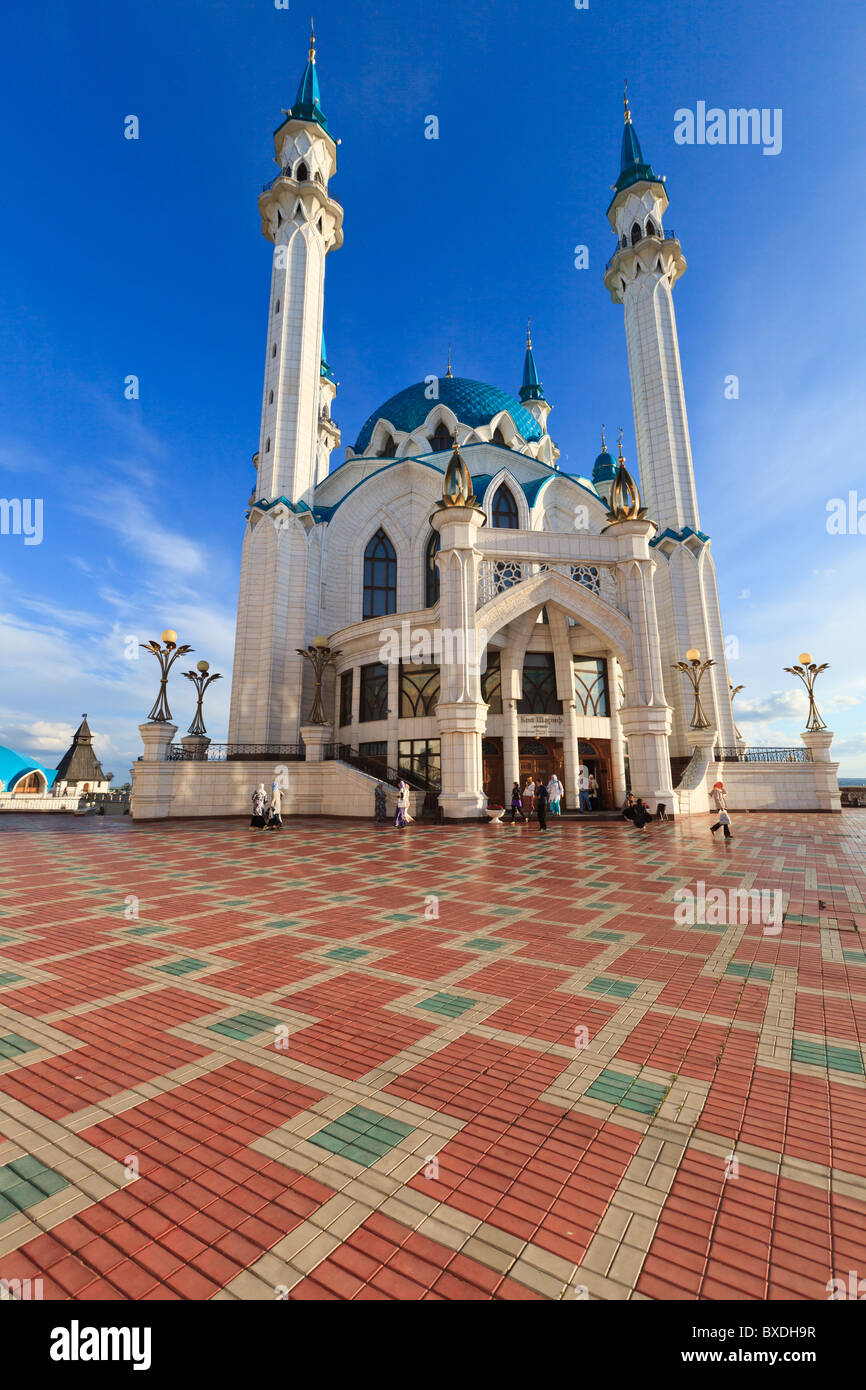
point(763, 755)
point(237, 752)
point(651, 236)
point(373, 768)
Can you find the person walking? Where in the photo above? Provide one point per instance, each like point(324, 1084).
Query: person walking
point(583, 788)
point(275, 820)
point(554, 792)
point(380, 814)
point(723, 823)
point(400, 820)
point(257, 821)
point(719, 795)
point(516, 804)
point(593, 791)
point(529, 797)
point(541, 799)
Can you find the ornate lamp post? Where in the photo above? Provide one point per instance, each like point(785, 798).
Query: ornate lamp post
point(201, 680)
point(695, 669)
point(320, 656)
point(166, 656)
point(809, 673)
point(735, 690)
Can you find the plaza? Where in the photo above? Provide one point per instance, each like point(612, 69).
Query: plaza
point(462, 1063)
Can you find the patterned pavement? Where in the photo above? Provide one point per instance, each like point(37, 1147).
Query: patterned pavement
point(473, 1063)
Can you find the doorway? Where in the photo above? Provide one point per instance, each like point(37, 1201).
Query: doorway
point(539, 759)
point(596, 757)
point(493, 770)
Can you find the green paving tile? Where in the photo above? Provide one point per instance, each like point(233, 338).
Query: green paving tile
point(604, 936)
point(362, 1135)
point(481, 943)
point(602, 907)
point(280, 923)
point(823, 1055)
point(628, 1091)
point(401, 916)
point(145, 931)
point(4, 939)
point(718, 927)
point(24, 1182)
point(346, 953)
point(9, 979)
point(451, 1005)
point(242, 1026)
point(855, 957)
point(740, 970)
point(620, 989)
point(13, 1045)
point(183, 967)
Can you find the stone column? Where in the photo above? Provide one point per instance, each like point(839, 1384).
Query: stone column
point(645, 718)
point(825, 772)
point(315, 737)
point(156, 739)
point(617, 744)
point(355, 736)
point(461, 713)
point(393, 711)
point(510, 747)
point(571, 754)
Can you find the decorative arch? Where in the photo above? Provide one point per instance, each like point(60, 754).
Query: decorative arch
point(504, 512)
point(548, 586)
point(524, 521)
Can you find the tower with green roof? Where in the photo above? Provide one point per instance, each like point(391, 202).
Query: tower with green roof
point(531, 391)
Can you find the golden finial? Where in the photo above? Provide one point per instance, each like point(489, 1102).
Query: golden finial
point(625, 103)
point(312, 41)
point(457, 484)
point(528, 337)
point(603, 441)
point(619, 457)
point(449, 371)
point(625, 499)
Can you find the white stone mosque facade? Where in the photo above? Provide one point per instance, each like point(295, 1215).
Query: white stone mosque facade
point(489, 616)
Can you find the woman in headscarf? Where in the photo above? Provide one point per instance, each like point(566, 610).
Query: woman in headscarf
point(402, 805)
point(275, 820)
point(720, 799)
point(259, 801)
point(554, 791)
point(380, 814)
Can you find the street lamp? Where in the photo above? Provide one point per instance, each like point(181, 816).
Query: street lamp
point(695, 669)
point(166, 656)
point(320, 656)
point(201, 680)
point(735, 690)
point(809, 673)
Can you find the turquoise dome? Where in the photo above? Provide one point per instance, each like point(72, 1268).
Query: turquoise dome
point(14, 766)
point(604, 468)
point(473, 402)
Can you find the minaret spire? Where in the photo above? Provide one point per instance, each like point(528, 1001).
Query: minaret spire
point(448, 371)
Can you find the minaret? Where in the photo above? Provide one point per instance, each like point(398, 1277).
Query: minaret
point(297, 433)
point(641, 276)
point(304, 224)
point(531, 393)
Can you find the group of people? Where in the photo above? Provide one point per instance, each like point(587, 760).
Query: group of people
point(267, 810)
point(402, 814)
point(637, 811)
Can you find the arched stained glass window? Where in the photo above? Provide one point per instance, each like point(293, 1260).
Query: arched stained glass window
point(504, 509)
point(431, 570)
point(380, 577)
point(442, 439)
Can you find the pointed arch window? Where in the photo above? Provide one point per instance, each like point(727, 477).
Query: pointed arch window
point(380, 577)
point(431, 570)
point(636, 233)
point(389, 448)
point(504, 509)
point(442, 438)
point(303, 173)
point(651, 227)
point(499, 437)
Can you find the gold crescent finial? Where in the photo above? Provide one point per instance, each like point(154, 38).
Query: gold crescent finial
point(620, 458)
point(603, 441)
point(528, 337)
point(625, 102)
point(312, 40)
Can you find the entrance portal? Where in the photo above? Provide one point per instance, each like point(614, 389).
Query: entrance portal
point(539, 759)
point(596, 758)
point(493, 771)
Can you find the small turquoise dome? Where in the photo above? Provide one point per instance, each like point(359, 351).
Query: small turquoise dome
point(14, 766)
point(473, 402)
point(604, 468)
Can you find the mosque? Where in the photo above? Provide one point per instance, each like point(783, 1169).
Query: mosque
point(486, 616)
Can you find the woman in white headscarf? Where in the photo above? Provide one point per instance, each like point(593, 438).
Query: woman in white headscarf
point(554, 791)
point(400, 819)
point(275, 820)
point(259, 802)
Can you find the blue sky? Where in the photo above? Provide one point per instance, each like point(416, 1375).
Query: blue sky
point(146, 257)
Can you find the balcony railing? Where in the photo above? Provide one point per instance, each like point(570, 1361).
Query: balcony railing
point(665, 236)
point(763, 755)
point(496, 576)
point(238, 752)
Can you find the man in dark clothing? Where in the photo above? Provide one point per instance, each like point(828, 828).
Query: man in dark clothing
point(541, 798)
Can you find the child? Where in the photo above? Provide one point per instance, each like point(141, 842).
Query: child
point(723, 823)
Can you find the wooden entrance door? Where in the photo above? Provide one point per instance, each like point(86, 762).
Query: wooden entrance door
point(539, 759)
point(493, 771)
point(596, 757)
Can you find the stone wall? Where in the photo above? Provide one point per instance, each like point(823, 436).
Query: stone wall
point(778, 786)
